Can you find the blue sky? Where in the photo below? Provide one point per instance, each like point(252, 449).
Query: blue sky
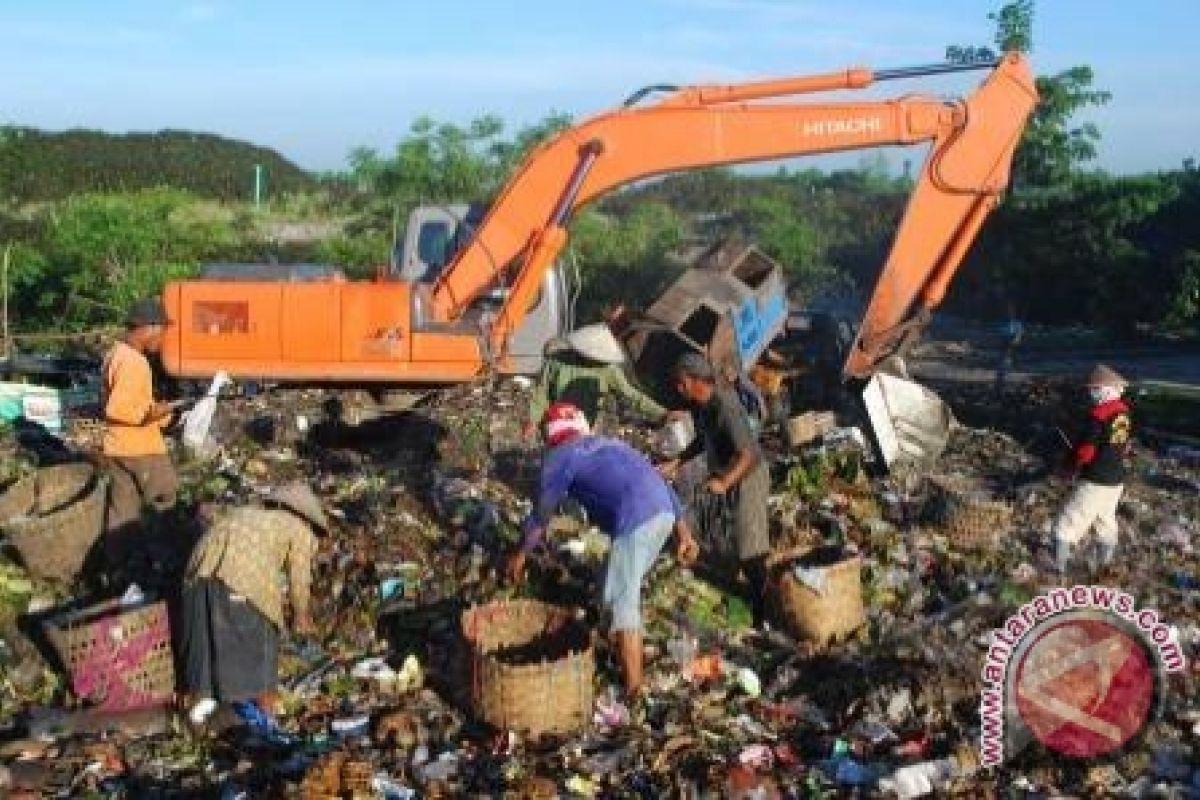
point(314, 79)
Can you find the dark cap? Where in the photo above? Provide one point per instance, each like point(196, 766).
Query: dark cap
point(694, 365)
point(147, 311)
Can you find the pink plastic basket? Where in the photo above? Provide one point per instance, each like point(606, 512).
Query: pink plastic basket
point(119, 659)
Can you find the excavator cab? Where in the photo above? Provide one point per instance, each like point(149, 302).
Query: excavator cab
point(432, 238)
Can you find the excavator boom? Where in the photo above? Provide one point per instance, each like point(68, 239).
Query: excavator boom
point(971, 148)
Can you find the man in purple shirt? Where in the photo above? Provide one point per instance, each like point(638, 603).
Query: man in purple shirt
point(626, 498)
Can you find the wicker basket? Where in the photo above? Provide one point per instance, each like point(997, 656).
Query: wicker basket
point(969, 516)
point(118, 658)
point(810, 425)
point(830, 613)
point(323, 781)
point(85, 433)
point(357, 776)
point(525, 678)
point(53, 517)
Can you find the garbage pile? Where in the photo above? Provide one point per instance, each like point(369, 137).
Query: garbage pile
point(425, 504)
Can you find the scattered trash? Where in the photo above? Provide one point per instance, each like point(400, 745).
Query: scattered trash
point(1187, 456)
point(442, 768)
point(918, 780)
point(198, 419)
point(610, 712)
point(202, 710)
point(748, 681)
point(379, 702)
point(350, 727)
point(134, 596)
point(757, 756)
point(388, 789)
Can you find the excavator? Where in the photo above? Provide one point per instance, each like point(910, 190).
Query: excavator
point(491, 306)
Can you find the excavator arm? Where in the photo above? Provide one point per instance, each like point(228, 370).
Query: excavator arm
point(972, 142)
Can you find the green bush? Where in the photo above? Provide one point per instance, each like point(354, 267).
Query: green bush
point(625, 259)
point(358, 254)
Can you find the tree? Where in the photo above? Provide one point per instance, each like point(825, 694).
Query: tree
point(441, 162)
point(508, 154)
point(625, 258)
point(1051, 148)
point(1014, 26)
point(787, 237)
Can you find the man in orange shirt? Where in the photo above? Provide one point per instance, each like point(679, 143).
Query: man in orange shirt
point(140, 470)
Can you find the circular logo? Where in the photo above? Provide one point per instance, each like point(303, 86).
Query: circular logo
point(1085, 686)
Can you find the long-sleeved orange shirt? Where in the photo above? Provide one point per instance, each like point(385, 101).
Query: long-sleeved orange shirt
point(127, 397)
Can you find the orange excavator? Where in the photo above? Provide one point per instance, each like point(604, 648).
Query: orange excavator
point(420, 333)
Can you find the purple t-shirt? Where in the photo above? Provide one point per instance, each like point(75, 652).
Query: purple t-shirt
point(617, 486)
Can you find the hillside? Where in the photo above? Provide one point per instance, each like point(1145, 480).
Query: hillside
point(39, 165)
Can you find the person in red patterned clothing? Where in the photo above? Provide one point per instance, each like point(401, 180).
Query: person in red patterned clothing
point(1099, 462)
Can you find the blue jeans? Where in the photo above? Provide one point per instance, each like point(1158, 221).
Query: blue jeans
point(629, 559)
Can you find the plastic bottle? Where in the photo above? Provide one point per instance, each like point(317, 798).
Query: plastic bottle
point(1183, 580)
point(682, 651)
point(919, 780)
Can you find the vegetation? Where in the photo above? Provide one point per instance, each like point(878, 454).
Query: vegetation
point(38, 165)
point(90, 227)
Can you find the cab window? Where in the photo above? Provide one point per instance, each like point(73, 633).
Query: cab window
point(432, 247)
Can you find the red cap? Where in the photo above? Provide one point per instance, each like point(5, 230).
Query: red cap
point(563, 422)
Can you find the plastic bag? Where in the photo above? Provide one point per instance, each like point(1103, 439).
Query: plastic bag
point(198, 420)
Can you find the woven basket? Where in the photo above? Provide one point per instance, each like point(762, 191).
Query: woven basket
point(323, 781)
point(119, 659)
point(810, 425)
point(85, 433)
point(523, 678)
point(835, 611)
point(357, 776)
point(53, 517)
point(968, 515)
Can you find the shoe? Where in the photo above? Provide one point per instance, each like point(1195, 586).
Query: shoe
point(262, 725)
point(201, 710)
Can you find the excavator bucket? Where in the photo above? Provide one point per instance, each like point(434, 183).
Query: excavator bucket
point(910, 423)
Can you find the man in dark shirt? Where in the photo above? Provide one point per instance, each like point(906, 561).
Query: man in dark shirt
point(737, 470)
point(1100, 467)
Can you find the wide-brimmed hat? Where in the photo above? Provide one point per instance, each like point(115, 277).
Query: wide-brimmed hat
point(147, 311)
point(597, 343)
point(1106, 376)
point(300, 500)
point(554, 345)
